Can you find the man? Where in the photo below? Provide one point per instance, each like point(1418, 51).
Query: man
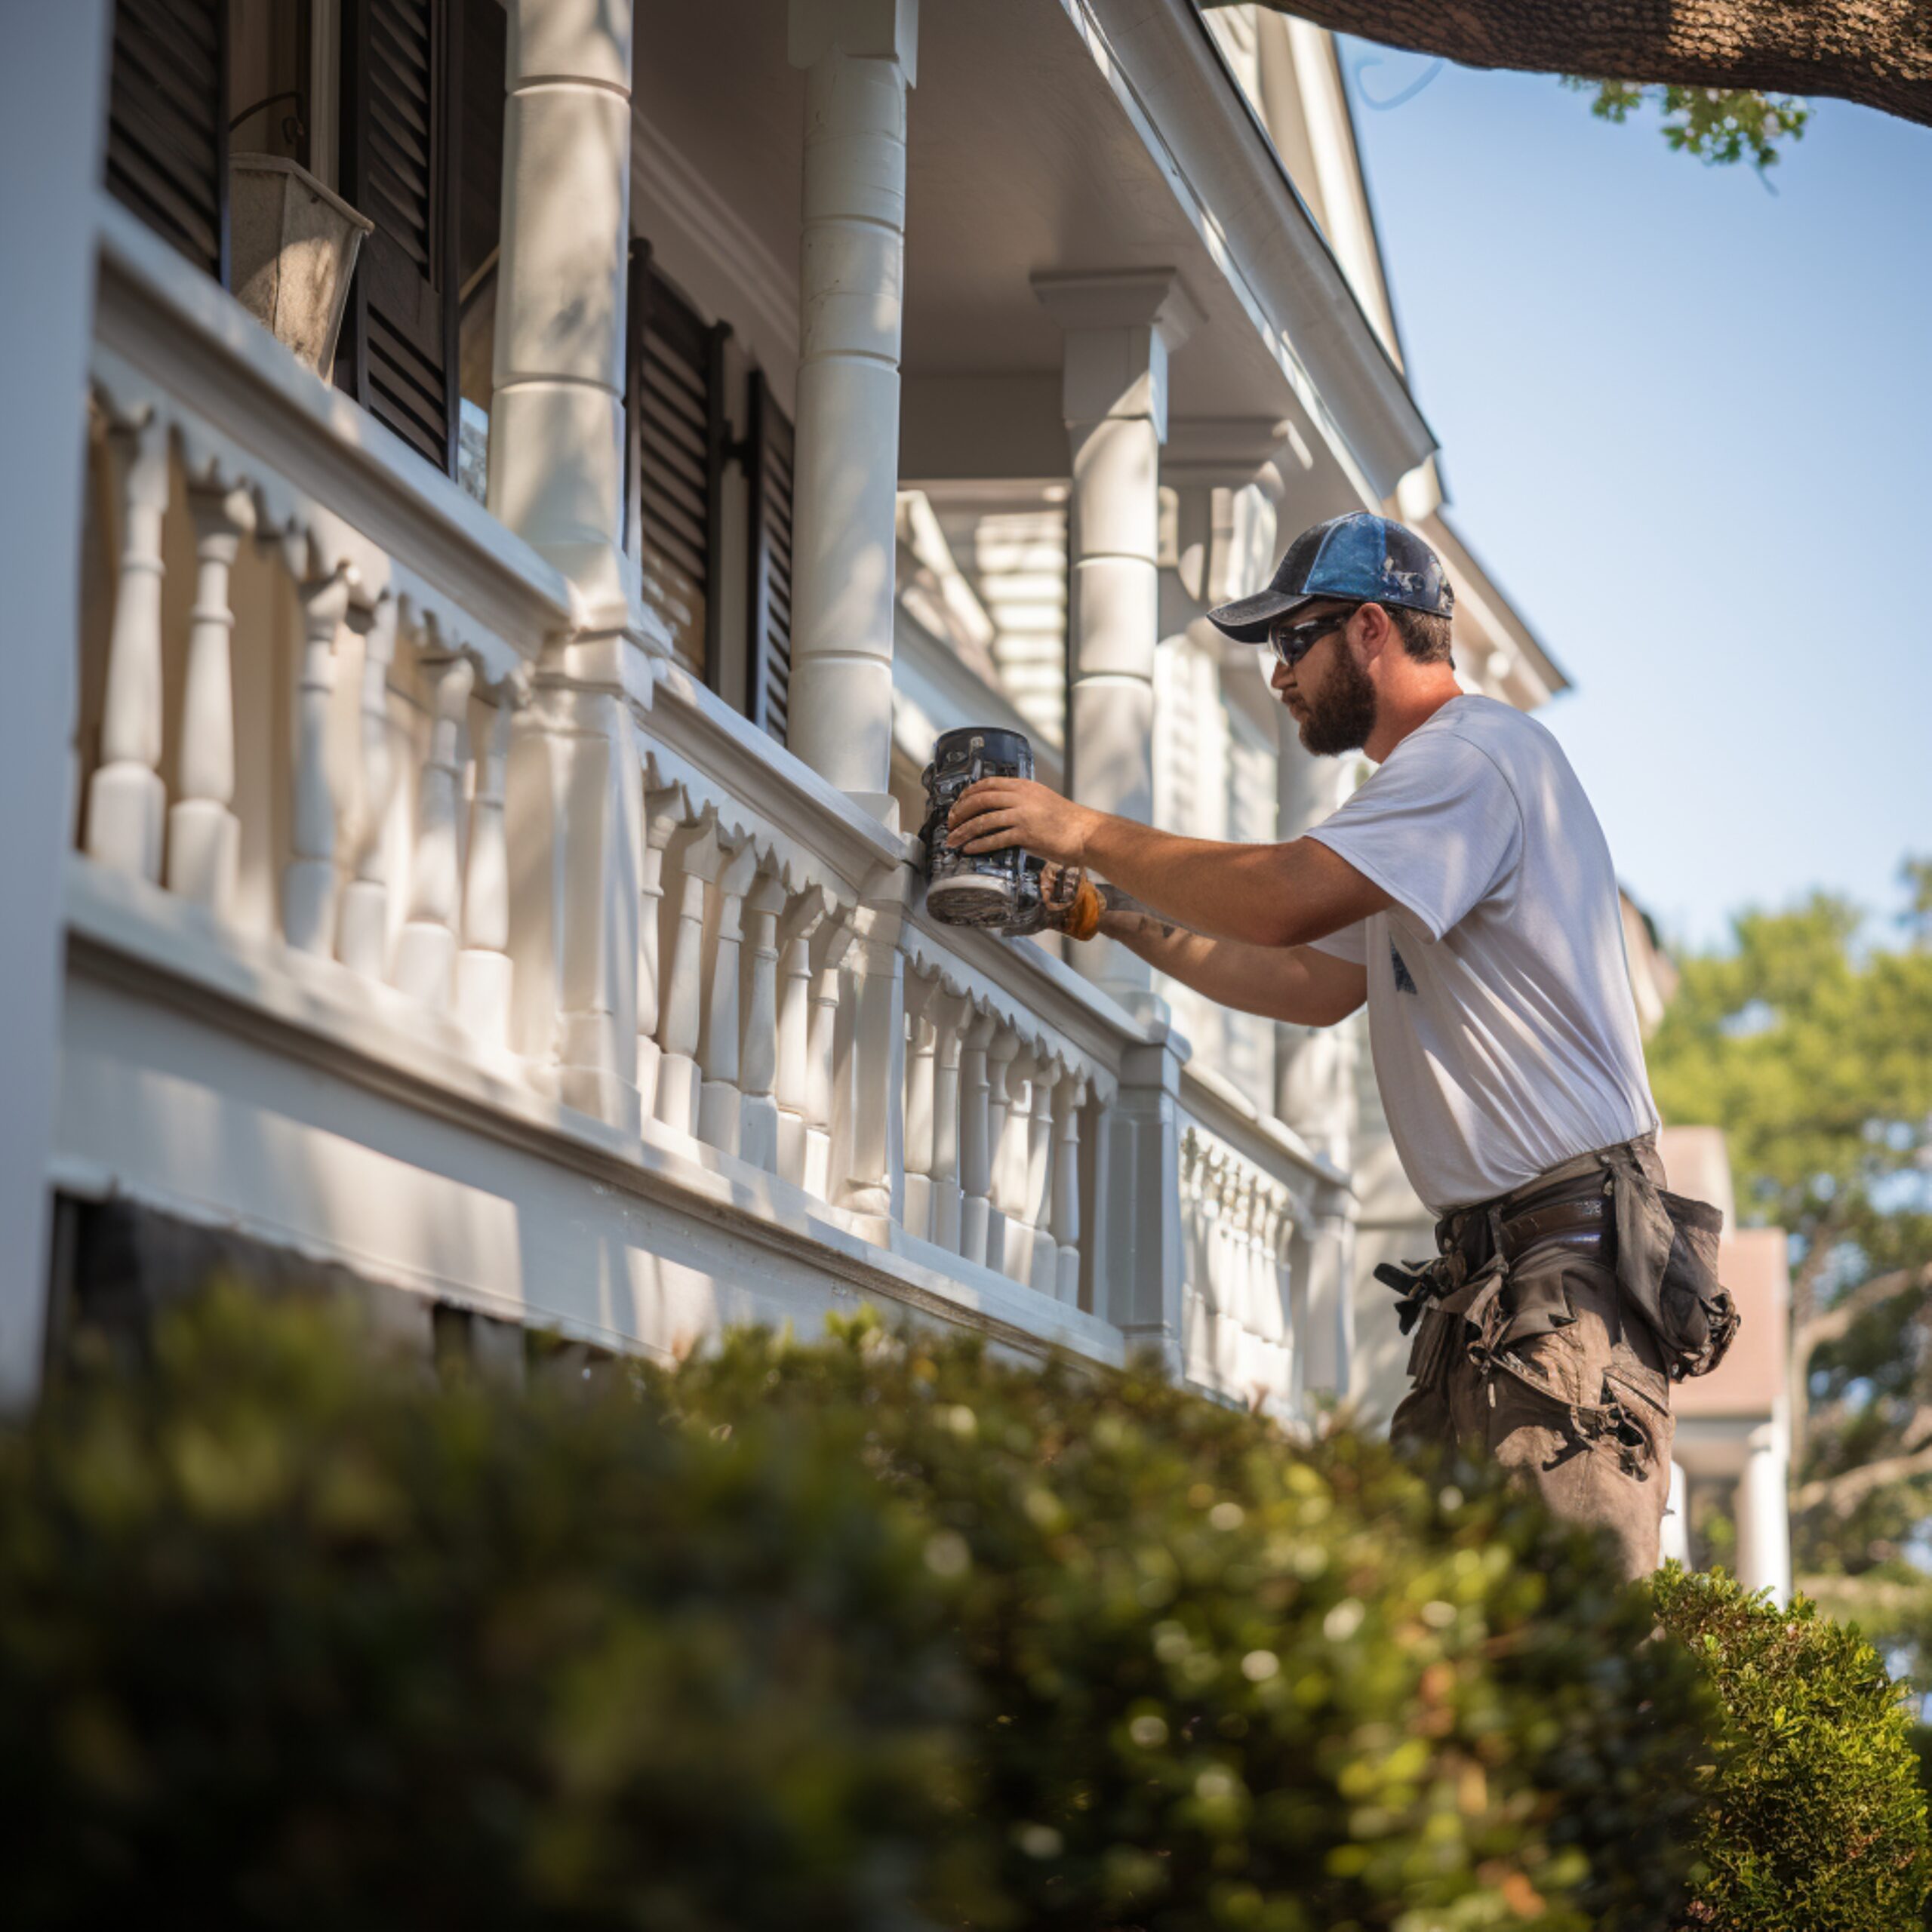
point(1465, 893)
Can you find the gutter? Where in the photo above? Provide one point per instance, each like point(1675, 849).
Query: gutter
point(1164, 67)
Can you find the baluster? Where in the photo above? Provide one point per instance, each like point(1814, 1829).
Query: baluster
point(659, 823)
point(1010, 1193)
point(921, 1068)
point(976, 1168)
point(426, 948)
point(362, 937)
point(693, 851)
point(719, 1103)
point(1274, 1305)
point(484, 975)
point(127, 798)
point(876, 1181)
point(1228, 1340)
point(757, 1059)
point(829, 945)
point(1043, 1270)
point(946, 1010)
point(203, 834)
point(308, 879)
point(1066, 1188)
point(1247, 1207)
point(1196, 1310)
point(802, 920)
point(1001, 1053)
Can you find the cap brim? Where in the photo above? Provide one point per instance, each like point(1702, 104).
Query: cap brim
point(1247, 619)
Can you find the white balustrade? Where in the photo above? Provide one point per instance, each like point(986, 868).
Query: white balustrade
point(309, 880)
point(126, 796)
point(922, 1049)
point(203, 834)
point(692, 859)
point(830, 944)
point(976, 1136)
point(945, 1013)
point(1066, 1189)
point(874, 1175)
point(804, 917)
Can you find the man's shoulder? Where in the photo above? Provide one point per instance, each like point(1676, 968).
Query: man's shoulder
point(1498, 731)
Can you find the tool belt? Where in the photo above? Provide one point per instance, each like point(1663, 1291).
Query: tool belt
point(1607, 1205)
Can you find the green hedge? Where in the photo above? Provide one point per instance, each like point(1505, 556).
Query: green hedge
point(1818, 1821)
point(874, 1633)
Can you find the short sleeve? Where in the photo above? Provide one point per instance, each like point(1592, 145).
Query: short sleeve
point(1346, 942)
point(1438, 828)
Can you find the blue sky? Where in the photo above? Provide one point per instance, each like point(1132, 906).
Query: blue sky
point(1688, 426)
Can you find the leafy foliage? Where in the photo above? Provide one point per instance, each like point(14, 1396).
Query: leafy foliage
point(1818, 1821)
point(1719, 125)
point(878, 1633)
point(1813, 1051)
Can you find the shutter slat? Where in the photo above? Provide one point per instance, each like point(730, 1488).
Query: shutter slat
point(769, 468)
point(167, 148)
point(399, 146)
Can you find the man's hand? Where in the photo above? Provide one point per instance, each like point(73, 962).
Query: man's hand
point(999, 812)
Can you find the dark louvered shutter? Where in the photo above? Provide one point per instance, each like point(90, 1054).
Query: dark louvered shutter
point(768, 456)
point(399, 133)
point(167, 122)
point(674, 458)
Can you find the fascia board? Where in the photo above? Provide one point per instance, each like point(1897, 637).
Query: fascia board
point(1162, 65)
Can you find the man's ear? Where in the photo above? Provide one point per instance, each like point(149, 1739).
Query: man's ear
point(1374, 630)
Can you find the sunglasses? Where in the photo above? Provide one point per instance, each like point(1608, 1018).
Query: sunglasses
point(1291, 643)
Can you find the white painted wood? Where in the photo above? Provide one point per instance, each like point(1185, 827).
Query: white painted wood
point(426, 948)
point(204, 835)
point(1066, 1189)
point(126, 799)
point(53, 119)
point(858, 56)
point(976, 1142)
point(803, 918)
point(830, 945)
point(660, 823)
point(691, 860)
point(874, 1180)
point(920, 1069)
point(1043, 1262)
point(484, 975)
point(556, 409)
point(758, 1054)
point(362, 942)
point(308, 880)
point(947, 1011)
point(720, 1103)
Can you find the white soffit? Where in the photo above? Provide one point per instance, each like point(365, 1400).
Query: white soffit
point(1163, 67)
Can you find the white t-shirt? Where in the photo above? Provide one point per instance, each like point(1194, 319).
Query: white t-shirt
point(1500, 1014)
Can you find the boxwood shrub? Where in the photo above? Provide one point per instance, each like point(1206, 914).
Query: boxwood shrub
point(1817, 1822)
point(875, 1633)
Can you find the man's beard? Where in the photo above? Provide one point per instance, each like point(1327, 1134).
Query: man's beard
point(1342, 719)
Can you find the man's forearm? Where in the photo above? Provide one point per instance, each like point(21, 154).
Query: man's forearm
point(1238, 892)
point(1272, 980)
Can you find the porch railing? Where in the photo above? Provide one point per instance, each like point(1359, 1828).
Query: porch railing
point(323, 698)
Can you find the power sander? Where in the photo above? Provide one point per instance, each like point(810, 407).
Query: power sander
point(1010, 891)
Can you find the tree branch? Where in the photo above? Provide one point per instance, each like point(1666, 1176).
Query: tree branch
point(1843, 1493)
point(1837, 1320)
point(1877, 53)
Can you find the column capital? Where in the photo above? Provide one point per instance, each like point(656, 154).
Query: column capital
point(1121, 299)
point(859, 29)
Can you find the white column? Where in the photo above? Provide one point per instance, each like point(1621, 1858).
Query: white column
point(308, 879)
point(484, 978)
point(858, 56)
point(204, 835)
point(556, 409)
point(126, 800)
point(53, 114)
point(426, 948)
point(1002, 1051)
point(1675, 1537)
point(362, 937)
point(1120, 329)
point(1764, 1514)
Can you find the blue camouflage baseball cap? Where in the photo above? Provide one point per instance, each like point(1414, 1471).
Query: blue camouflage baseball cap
point(1366, 559)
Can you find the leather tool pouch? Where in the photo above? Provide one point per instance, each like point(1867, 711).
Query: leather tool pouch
point(1667, 1266)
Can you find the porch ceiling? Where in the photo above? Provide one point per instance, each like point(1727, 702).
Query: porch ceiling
point(1020, 158)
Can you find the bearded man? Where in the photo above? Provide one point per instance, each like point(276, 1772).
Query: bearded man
point(1465, 892)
